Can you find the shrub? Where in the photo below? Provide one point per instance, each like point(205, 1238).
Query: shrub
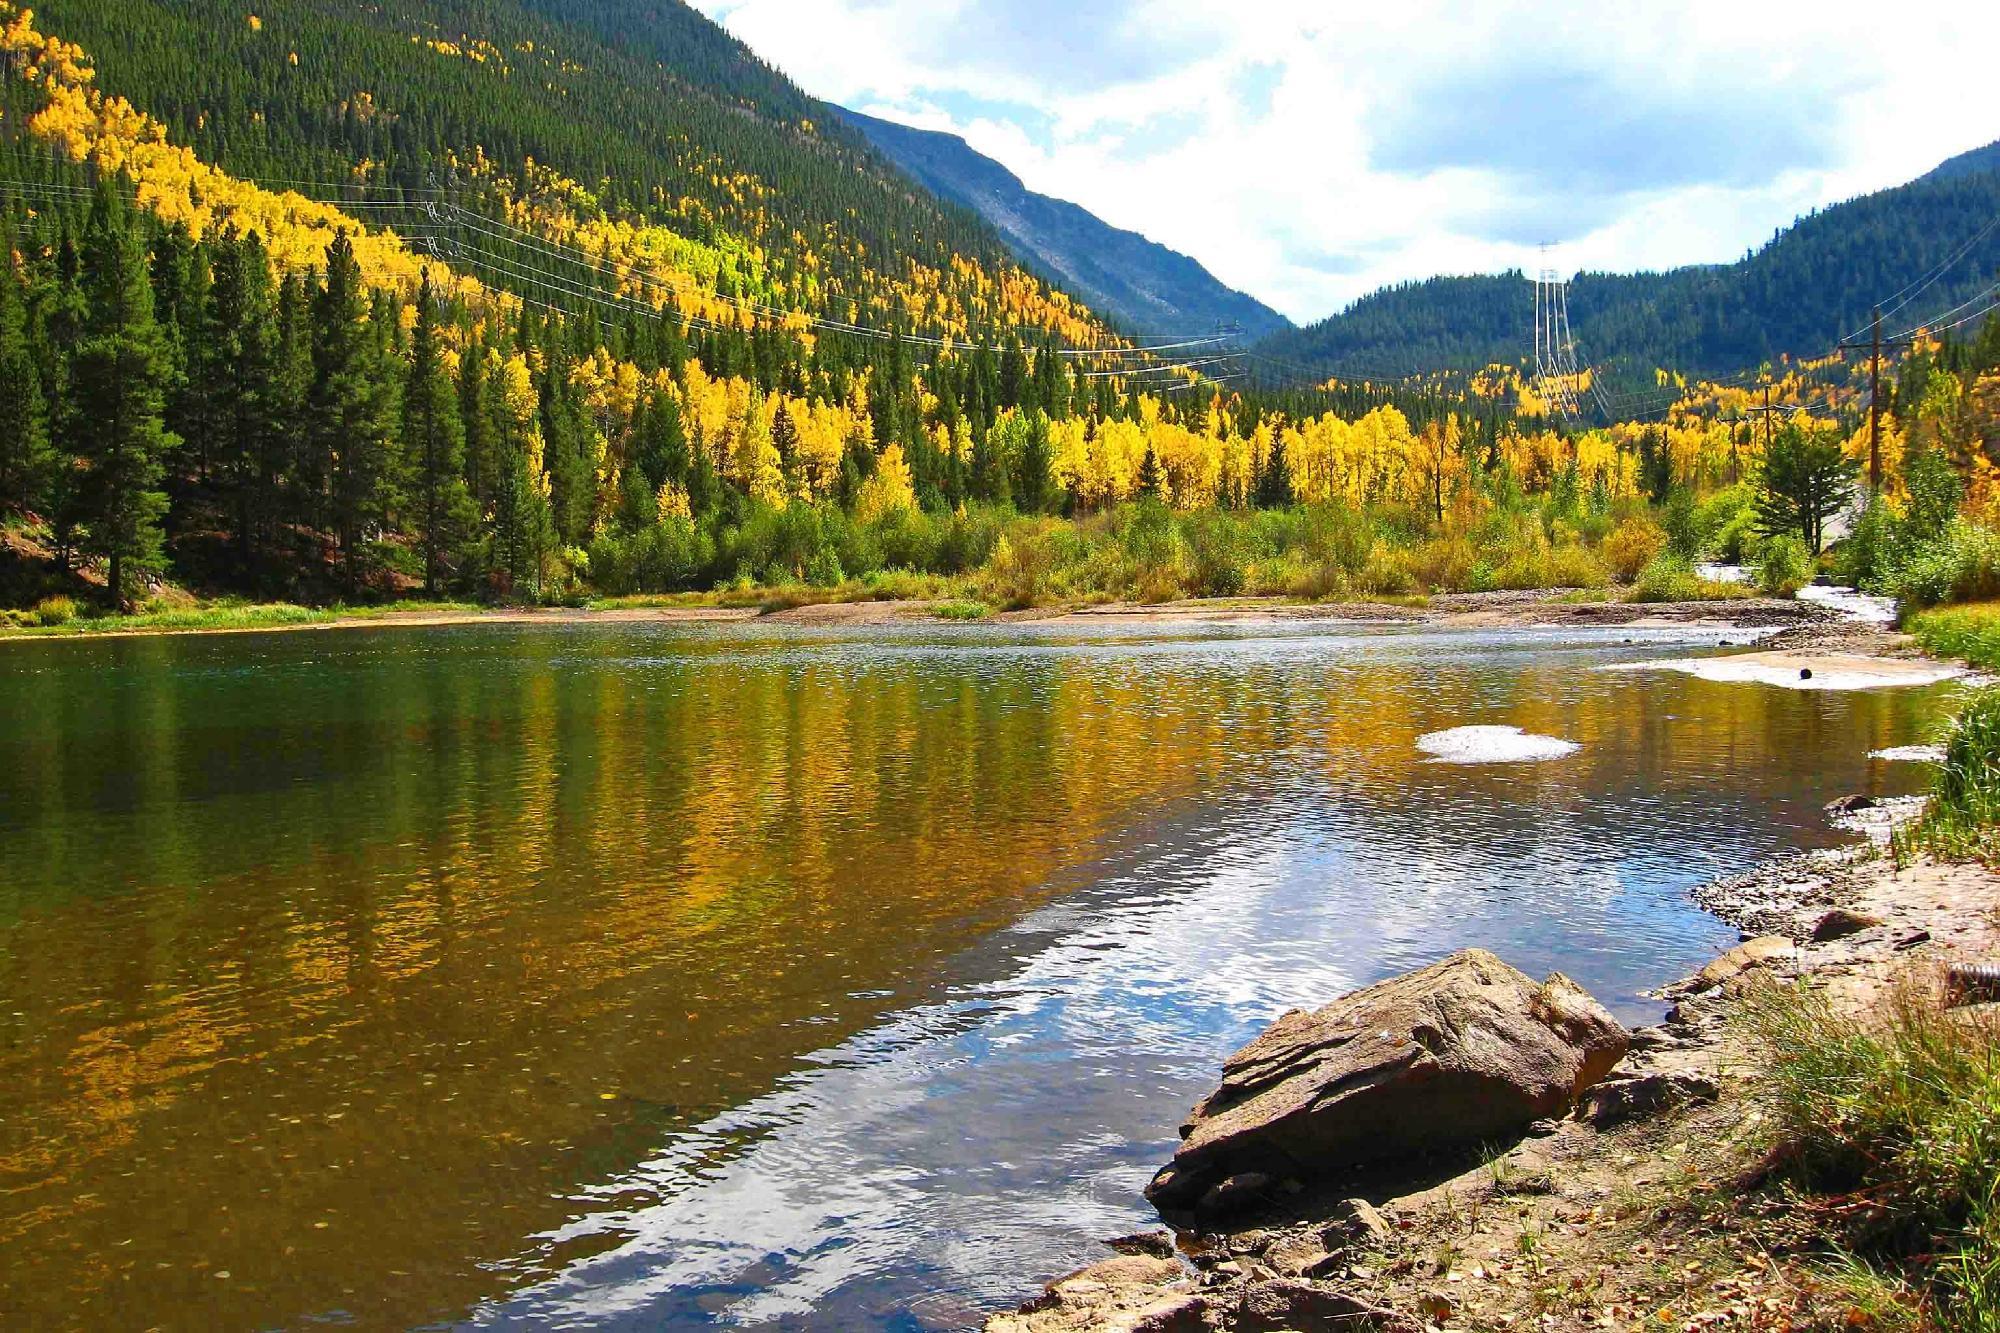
point(1667, 578)
point(1216, 564)
point(1337, 537)
point(1632, 546)
point(1970, 632)
point(1446, 564)
point(1783, 566)
point(55, 611)
point(1680, 520)
point(1018, 575)
point(1960, 564)
point(669, 556)
point(1387, 573)
point(967, 540)
point(1872, 548)
point(1572, 567)
point(906, 539)
point(1726, 524)
point(823, 569)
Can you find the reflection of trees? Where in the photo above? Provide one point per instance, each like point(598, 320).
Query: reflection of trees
point(363, 937)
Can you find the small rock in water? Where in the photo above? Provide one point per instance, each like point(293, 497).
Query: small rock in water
point(1805, 673)
point(1493, 745)
point(1910, 754)
point(1749, 954)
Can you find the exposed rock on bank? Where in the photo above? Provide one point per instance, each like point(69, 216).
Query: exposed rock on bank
point(1639, 1210)
point(1464, 1052)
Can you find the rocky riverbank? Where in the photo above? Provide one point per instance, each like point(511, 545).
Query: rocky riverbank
point(1636, 1203)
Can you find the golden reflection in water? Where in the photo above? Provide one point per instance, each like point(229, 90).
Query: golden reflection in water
point(330, 981)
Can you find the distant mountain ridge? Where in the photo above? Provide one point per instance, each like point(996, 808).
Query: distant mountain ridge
point(1122, 274)
point(1965, 164)
point(1798, 294)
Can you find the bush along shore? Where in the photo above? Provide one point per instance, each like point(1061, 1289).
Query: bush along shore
point(1810, 1140)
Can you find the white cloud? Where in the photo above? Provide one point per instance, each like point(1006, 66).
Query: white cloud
point(1309, 154)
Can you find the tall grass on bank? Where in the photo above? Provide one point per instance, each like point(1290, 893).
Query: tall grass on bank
point(1971, 633)
point(1962, 821)
point(1141, 551)
point(1892, 1129)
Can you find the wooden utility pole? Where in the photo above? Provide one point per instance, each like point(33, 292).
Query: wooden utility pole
point(1875, 346)
point(1767, 411)
point(1874, 404)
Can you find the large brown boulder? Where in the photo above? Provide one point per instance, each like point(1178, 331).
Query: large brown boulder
point(1464, 1052)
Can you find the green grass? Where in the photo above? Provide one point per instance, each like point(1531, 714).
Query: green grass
point(961, 610)
point(230, 615)
point(1892, 1130)
point(1970, 632)
point(1962, 821)
point(887, 586)
point(1671, 578)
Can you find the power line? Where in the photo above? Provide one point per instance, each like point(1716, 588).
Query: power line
point(1919, 286)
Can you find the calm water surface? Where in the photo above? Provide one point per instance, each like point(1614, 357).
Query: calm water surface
point(602, 976)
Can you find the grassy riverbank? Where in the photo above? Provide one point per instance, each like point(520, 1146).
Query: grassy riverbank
point(1970, 633)
point(994, 558)
point(65, 619)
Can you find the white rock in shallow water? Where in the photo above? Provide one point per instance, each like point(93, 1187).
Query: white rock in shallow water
point(1493, 745)
point(1910, 754)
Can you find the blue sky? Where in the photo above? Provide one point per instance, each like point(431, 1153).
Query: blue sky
point(1309, 151)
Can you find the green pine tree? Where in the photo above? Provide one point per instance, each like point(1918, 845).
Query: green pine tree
point(1035, 488)
point(117, 390)
point(990, 466)
point(441, 509)
point(1274, 483)
point(1151, 479)
point(25, 456)
point(351, 410)
point(234, 372)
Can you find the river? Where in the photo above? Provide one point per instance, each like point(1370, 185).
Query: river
point(758, 976)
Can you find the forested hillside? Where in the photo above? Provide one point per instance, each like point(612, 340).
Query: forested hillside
point(1809, 286)
point(466, 298)
point(525, 301)
point(638, 113)
point(1122, 274)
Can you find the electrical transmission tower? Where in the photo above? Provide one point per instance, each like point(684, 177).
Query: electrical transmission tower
point(1556, 374)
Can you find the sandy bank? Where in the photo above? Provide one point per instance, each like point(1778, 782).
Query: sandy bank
point(1807, 669)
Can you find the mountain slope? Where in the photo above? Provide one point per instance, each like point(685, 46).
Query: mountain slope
point(1121, 273)
point(1810, 285)
point(635, 117)
point(1967, 163)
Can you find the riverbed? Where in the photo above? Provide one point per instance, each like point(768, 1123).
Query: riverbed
point(682, 975)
